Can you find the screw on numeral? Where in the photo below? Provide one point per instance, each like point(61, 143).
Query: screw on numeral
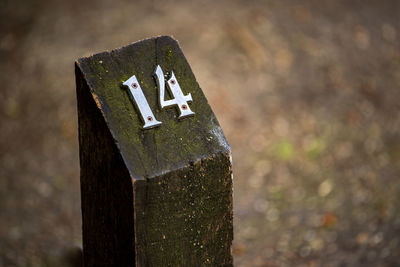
point(149, 118)
point(134, 85)
point(184, 107)
point(172, 81)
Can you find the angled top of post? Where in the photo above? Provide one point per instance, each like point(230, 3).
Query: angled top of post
point(177, 143)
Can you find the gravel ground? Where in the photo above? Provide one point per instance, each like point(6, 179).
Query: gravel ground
point(307, 94)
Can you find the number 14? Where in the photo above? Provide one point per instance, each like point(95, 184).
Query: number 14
point(179, 99)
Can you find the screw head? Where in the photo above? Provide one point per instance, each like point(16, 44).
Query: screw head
point(134, 85)
point(173, 82)
point(184, 107)
point(149, 118)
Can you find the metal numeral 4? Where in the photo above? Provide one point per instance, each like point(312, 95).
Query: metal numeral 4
point(179, 99)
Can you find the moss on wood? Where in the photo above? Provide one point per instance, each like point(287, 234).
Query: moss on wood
point(175, 143)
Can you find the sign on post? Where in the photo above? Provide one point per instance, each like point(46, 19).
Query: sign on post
point(156, 172)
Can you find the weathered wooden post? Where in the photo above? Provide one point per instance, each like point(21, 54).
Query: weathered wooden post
point(156, 182)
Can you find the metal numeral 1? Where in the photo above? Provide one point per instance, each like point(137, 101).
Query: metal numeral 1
point(140, 101)
point(179, 99)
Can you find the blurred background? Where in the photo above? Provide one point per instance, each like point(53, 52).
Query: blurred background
point(307, 93)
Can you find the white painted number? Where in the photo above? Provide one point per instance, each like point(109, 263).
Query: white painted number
point(179, 99)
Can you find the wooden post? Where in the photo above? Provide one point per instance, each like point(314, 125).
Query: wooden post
point(150, 197)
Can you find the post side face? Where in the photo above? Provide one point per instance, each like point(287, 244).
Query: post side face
point(148, 153)
point(184, 218)
point(106, 189)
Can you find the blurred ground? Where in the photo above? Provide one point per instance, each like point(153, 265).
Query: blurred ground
point(306, 92)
